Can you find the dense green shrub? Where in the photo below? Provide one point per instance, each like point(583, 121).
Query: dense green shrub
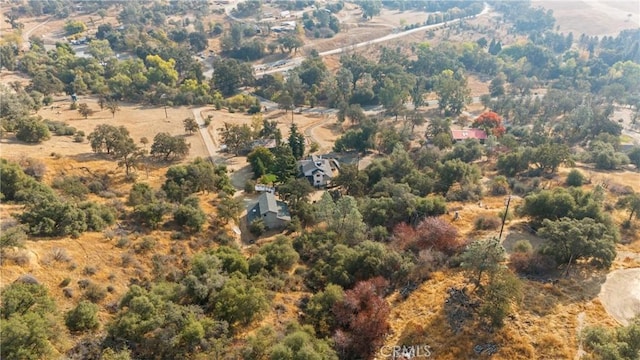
point(560, 202)
point(301, 342)
point(72, 186)
point(523, 246)
point(98, 216)
point(575, 178)
point(141, 193)
point(150, 323)
point(499, 185)
point(96, 187)
point(257, 227)
point(605, 156)
point(26, 329)
point(20, 298)
point(198, 176)
point(569, 240)
point(60, 128)
point(319, 310)
point(621, 343)
point(189, 217)
point(256, 264)
point(239, 301)
point(26, 336)
point(83, 317)
point(12, 237)
point(54, 218)
point(150, 215)
point(32, 130)
point(280, 255)
point(72, 27)
point(232, 260)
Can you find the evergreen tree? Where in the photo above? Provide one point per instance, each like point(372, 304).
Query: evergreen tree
point(296, 142)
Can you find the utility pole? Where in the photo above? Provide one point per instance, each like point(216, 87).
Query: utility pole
point(164, 102)
point(504, 217)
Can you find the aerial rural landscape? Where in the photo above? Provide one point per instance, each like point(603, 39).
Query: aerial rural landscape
point(319, 179)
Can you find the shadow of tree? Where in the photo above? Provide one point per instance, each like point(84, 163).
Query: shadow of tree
point(582, 284)
point(240, 176)
point(514, 236)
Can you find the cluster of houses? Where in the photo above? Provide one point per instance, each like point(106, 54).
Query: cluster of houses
point(274, 213)
point(319, 171)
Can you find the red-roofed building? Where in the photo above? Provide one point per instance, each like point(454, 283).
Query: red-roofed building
point(459, 135)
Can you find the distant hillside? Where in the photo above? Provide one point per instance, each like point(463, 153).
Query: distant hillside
point(593, 17)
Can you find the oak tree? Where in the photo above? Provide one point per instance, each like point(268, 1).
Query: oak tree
point(169, 147)
point(190, 125)
point(569, 240)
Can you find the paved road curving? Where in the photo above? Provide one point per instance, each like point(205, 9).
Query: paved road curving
point(292, 63)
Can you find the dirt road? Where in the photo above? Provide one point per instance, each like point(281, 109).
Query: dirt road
point(208, 139)
point(25, 36)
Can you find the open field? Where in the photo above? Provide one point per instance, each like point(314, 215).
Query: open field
point(140, 120)
point(593, 17)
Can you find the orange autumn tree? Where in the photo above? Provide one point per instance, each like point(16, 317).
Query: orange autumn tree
point(490, 122)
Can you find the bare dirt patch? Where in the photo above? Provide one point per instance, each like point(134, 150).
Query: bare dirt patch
point(316, 127)
point(620, 294)
point(7, 77)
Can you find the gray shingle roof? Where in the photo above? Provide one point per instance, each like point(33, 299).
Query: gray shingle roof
point(316, 163)
point(267, 202)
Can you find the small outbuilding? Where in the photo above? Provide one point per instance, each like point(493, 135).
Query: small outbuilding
point(464, 134)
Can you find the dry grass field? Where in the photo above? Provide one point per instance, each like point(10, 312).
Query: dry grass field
point(593, 17)
point(140, 120)
point(545, 326)
point(549, 316)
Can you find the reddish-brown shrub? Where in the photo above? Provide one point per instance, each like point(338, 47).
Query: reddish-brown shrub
point(362, 319)
point(439, 234)
point(432, 233)
point(532, 263)
point(404, 235)
point(487, 223)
